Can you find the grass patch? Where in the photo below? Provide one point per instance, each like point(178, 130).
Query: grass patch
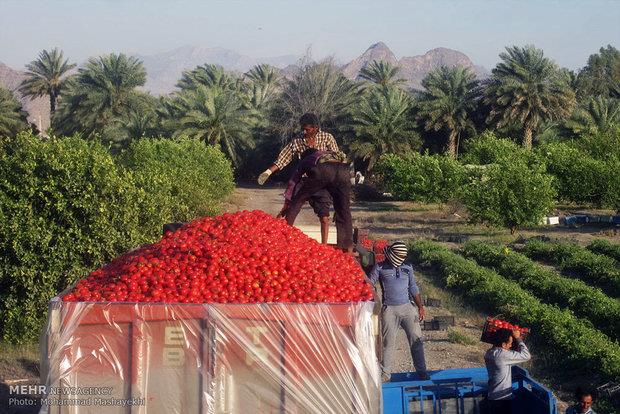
point(420, 207)
point(431, 287)
point(19, 361)
point(457, 337)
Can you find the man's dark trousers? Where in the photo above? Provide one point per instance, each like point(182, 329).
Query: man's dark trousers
point(333, 177)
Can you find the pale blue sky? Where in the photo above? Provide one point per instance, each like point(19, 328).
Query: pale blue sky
point(568, 30)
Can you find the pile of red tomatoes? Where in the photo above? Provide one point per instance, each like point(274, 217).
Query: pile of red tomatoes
point(244, 257)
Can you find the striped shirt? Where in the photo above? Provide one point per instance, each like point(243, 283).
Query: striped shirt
point(323, 141)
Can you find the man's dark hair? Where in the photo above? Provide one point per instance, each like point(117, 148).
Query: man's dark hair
point(308, 152)
point(309, 119)
point(583, 391)
point(501, 336)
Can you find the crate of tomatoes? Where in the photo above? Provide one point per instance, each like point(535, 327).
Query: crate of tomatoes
point(492, 325)
point(373, 247)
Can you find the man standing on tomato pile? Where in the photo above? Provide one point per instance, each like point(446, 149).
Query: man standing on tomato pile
point(399, 288)
point(312, 137)
point(499, 360)
point(325, 170)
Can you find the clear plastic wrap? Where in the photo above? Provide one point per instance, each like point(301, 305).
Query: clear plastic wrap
point(210, 358)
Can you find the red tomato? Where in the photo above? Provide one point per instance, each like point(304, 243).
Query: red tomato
point(243, 257)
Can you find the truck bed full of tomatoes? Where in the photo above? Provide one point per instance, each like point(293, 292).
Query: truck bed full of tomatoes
point(244, 257)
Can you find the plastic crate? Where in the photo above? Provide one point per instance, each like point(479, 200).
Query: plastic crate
point(572, 220)
point(215, 358)
point(444, 321)
point(489, 330)
point(461, 391)
point(439, 323)
point(436, 303)
point(433, 325)
point(429, 326)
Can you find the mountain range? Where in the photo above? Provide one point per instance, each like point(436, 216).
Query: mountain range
point(38, 109)
point(165, 69)
point(412, 68)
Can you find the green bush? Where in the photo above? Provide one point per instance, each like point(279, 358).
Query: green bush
point(489, 149)
point(606, 248)
point(583, 300)
point(425, 178)
point(580, 345)
point(601, 145)
point(581, 263)
point(190, 178)
point(581, 178)
point(65, 208)
point(509, 194)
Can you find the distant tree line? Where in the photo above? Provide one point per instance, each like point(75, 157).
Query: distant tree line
point(528, 98)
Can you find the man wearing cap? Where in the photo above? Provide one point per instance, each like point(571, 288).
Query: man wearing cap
point(312, 137)
point(399, 288)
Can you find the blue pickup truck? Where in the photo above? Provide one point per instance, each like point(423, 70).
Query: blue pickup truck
point(461, 391)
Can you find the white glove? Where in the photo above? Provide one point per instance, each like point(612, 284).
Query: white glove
point(264, 176)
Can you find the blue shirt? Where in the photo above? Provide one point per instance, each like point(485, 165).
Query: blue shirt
point(397, 282)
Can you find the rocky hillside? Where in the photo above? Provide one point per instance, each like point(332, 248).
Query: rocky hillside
point(165, 69)
point(38, 109)
point(378, 51)
point(413, 69)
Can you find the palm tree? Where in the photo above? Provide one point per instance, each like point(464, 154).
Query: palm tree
point(100, 94)
point(383, 125)
point(527, 89)
point(215, 116)
point(319, 88)
point(382, 73)
point(263, 82)
point(208, 75)
point(596, 116)
point(448, 102)
point(12, 117)
point(601, 76)
point(139, 124)
point(46, 76)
